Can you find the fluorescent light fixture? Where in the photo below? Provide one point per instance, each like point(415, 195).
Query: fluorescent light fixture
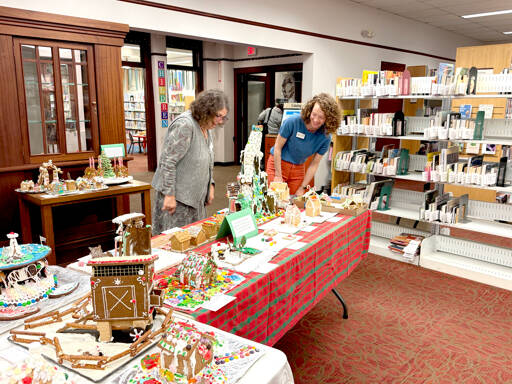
point(507, 33)
point(487, 14)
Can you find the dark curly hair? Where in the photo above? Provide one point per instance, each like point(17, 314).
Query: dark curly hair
point(329, 107)
point(205, 107)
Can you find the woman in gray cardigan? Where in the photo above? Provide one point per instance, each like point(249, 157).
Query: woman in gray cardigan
point(184, 178)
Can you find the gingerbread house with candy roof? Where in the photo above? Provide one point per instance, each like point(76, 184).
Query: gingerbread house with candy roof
point(185, 350)
point(197, 270)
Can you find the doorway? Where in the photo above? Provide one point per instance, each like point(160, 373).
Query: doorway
point(257, 88)
point(138, 102)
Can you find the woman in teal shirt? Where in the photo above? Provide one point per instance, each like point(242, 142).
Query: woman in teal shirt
point(299, 138)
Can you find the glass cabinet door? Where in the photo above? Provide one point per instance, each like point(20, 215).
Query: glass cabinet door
point(57, 97)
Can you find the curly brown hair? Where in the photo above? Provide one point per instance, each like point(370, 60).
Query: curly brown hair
point(329, 107)
point(205, 107)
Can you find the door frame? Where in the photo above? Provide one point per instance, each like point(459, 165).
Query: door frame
point(239, 99)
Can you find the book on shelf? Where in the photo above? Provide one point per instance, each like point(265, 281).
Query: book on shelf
point(406, 244)
point(488, 109)
point(473, 148)
point(479, 125)
point(444, 73)
point(370, 77)
point(465, 111)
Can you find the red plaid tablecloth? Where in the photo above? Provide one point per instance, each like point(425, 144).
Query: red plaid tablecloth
point(267, 306)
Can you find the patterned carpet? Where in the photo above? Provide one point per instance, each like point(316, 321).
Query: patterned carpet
point(406, 325)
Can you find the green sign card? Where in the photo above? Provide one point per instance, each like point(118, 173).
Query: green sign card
point(240, 224)
point(113, 150)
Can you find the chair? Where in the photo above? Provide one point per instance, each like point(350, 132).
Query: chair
point(133, 142)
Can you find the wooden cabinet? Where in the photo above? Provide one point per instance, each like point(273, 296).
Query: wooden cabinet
point(88, 49)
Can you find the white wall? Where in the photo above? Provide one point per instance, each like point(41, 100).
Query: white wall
point(219, 75)
point(240, 54)
point(328, 60)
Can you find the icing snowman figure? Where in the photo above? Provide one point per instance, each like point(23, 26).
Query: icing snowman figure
point(14, 249)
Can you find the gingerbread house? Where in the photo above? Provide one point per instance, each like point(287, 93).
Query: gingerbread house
point(313, 205)
point(180, 241)
point(281, 190)
point(121, 290)
point(135, 237)
point(185, 350)
point(292, 215)
point(122, 285)
point(212, 226)
point(197, 235)
point(197, 270)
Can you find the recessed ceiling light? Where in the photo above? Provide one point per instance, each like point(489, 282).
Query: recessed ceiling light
point(507, 33)
point(487, 14)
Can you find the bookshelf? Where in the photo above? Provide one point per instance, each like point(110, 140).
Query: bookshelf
point(478, 248)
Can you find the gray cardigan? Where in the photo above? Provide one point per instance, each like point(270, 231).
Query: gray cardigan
point(185, 169)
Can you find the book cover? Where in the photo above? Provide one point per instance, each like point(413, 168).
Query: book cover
point(487, 108)
point(473, 148)
point(365, 76)
point(445, 70)
point(479, 125)
point(465, 111)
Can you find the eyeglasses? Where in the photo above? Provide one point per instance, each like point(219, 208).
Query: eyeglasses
point(222, 118)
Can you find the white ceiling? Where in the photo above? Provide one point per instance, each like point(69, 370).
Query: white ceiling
point(446, 14)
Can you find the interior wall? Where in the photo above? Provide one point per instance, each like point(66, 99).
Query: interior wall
point(331, 17)
point(218, 74)
point(325, 59)
point(263, 57)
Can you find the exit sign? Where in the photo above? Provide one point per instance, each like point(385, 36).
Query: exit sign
point(251, 51)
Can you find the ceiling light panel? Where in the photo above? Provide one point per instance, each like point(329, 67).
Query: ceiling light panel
point(486, 14)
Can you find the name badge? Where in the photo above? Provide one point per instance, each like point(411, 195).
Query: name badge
point(300, 135)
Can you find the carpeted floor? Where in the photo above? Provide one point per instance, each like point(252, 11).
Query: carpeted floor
point(406, 325)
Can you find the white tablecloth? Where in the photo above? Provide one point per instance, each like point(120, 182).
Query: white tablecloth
point(272, 367)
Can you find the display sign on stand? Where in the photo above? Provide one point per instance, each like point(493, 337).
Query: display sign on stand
point(240, 224)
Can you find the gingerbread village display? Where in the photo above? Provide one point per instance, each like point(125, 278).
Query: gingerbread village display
point(24, 278)
point(121, 298)
point(93, 179)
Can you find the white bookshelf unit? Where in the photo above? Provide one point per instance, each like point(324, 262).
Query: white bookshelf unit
point(480, 248)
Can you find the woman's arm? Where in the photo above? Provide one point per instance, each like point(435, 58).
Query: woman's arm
point(310, 173)
point(278, 146)
point(176, 145)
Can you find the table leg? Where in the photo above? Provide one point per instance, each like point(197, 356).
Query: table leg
point(26, 226)
point(338, 296)
point(120, 206)
point(47, 224)
point(146, 205)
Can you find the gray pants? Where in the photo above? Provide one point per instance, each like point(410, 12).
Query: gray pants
point(184, 215)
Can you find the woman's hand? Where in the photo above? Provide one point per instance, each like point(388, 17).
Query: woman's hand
point(278, 179)
point(169, 204)
point(211, 195)
point(300, 191)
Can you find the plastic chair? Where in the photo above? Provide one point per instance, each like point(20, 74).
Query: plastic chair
point(133, 143)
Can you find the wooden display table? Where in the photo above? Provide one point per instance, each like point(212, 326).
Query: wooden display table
point(47, 202)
